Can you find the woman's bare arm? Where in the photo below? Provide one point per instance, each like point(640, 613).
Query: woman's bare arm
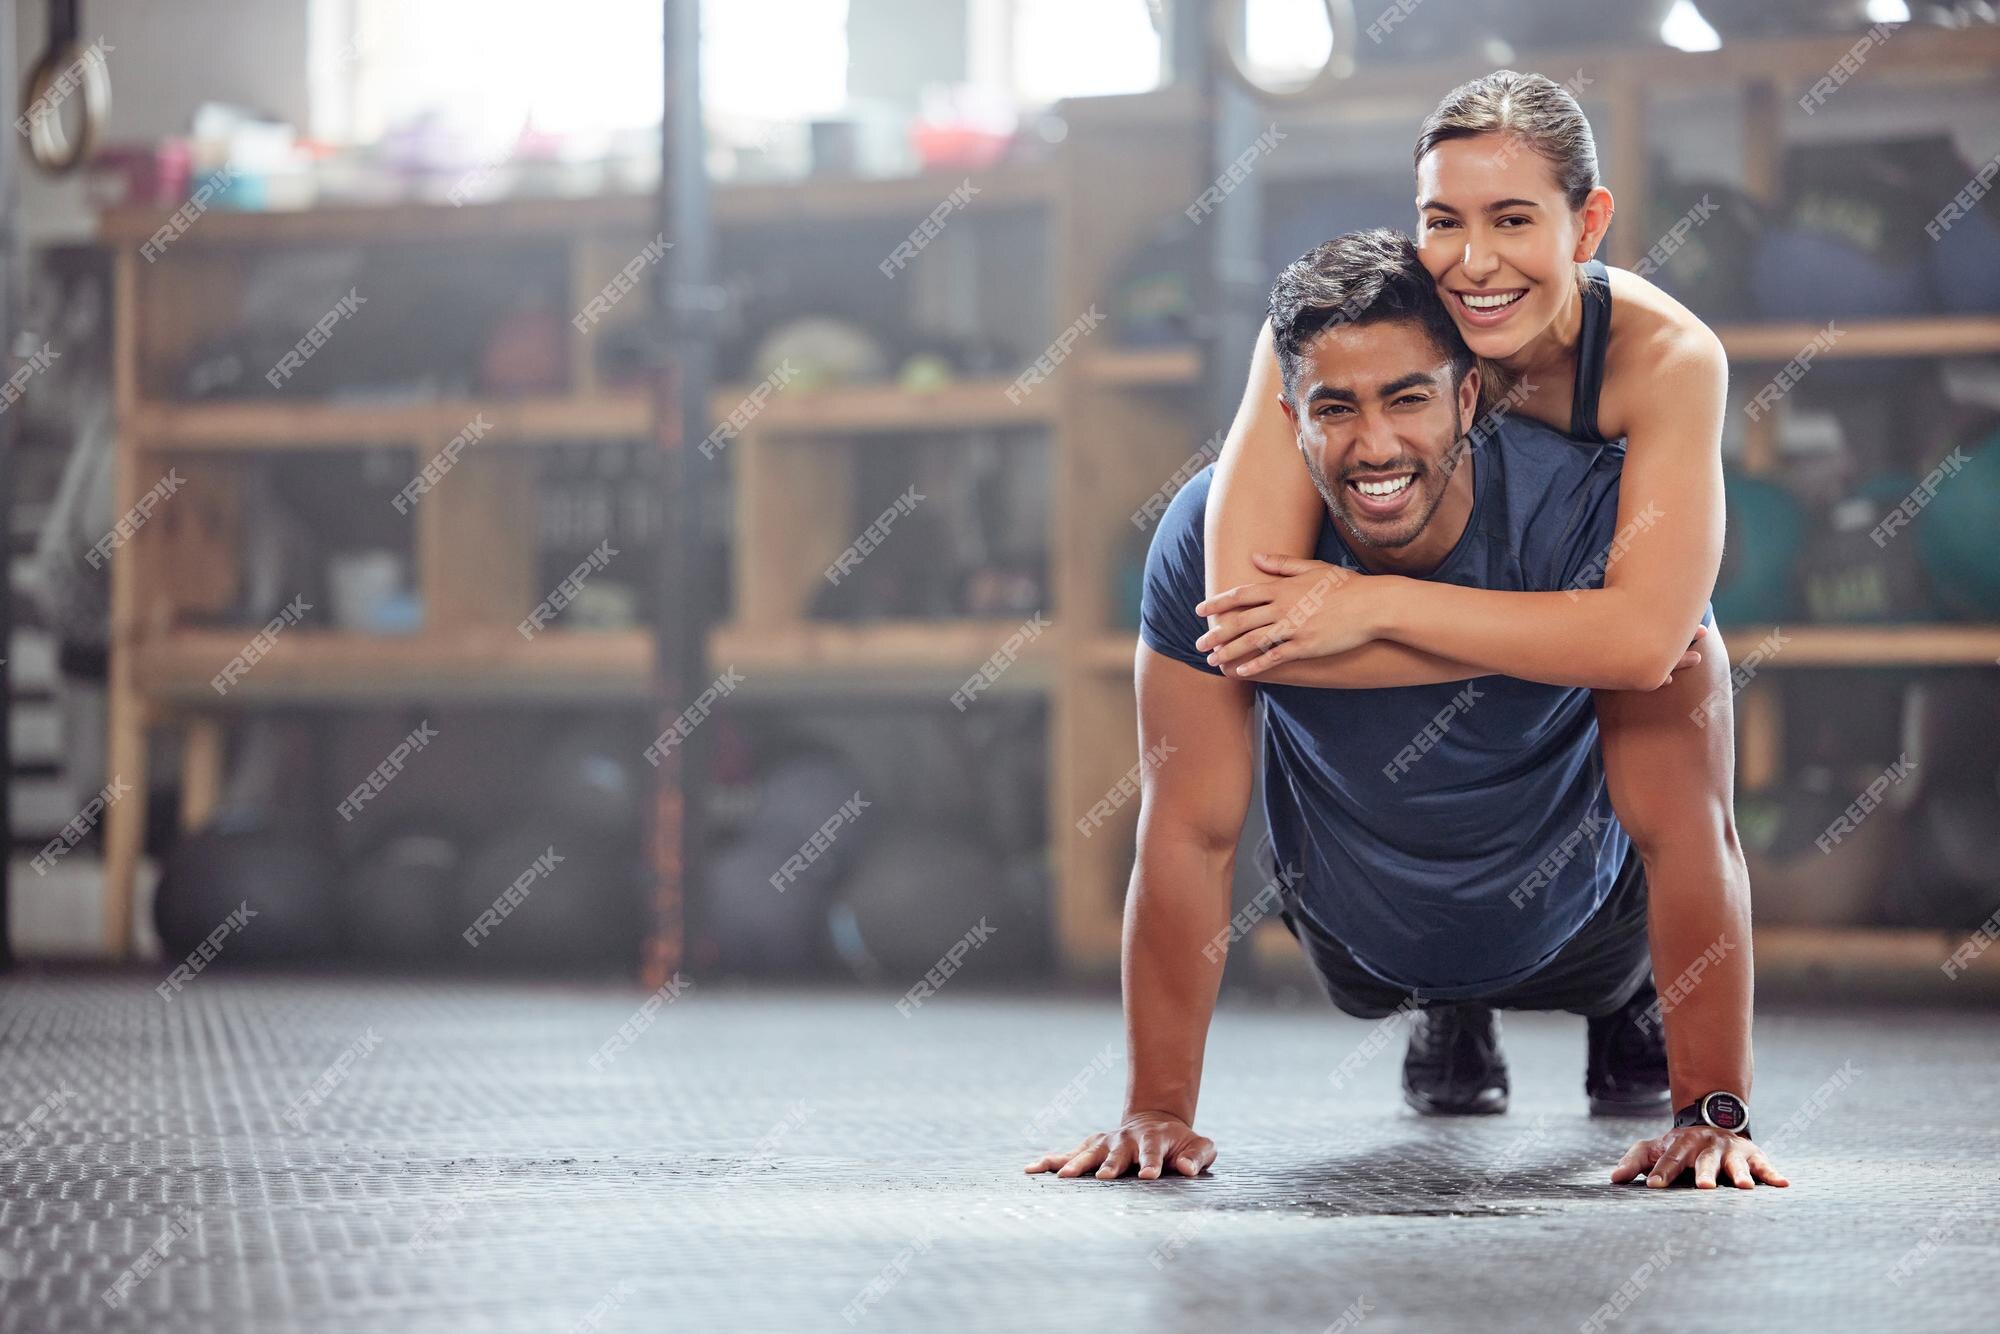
point(1666, 550)
point(1261, 498)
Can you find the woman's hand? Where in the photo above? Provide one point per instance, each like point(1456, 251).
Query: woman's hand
point(1308, 609)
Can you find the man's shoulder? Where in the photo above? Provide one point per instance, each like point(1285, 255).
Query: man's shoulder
point(1175, 575)
point(1185, 512)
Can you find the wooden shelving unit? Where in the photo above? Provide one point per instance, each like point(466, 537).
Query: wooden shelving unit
point(1118, 423)
point(879, 654)
point(215, 427)
point(330, 665)
point(1928, 336)
point(881, 409)
point(472, 537)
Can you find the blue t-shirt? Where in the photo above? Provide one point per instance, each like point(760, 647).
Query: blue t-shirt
point(1453, 837)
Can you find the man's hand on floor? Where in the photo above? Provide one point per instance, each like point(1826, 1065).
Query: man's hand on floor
point(1154, 1141)
point(1661, 1161)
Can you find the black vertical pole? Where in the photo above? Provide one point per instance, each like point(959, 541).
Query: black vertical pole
point(684, 313)
point(10, 305)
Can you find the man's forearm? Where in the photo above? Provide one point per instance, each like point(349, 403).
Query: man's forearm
point(1698, 917)
point(1176, 939)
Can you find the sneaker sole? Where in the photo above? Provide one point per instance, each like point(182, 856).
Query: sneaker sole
point(1492, 1104)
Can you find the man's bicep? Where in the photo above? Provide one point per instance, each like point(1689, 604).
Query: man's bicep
point(1200, 724)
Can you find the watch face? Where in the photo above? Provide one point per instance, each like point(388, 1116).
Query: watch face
point(1725, 1111)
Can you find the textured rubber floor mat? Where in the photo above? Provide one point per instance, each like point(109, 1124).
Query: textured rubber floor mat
point(330, 1156)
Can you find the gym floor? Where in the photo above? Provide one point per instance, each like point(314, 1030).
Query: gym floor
point(804, 1160)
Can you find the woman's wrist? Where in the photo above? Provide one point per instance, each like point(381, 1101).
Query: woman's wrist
point(1383, 597)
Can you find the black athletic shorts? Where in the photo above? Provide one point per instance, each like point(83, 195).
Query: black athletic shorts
point(1601, 967)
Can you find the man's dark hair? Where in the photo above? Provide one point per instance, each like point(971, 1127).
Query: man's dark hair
point(1359, 278)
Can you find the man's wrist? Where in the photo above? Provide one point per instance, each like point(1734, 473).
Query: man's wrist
point(1179, 1107)
point(1719, 1109)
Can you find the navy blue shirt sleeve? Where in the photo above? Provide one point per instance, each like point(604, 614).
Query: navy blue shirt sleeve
point(1175, 579)
point(1592, 538)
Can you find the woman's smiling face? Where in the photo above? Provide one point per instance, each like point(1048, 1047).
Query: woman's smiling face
point(1499, 238)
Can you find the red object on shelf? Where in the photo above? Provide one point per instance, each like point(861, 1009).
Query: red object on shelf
point(140, 173)
point(957, 147)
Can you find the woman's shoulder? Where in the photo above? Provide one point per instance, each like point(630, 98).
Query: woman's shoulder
point(1655, 340)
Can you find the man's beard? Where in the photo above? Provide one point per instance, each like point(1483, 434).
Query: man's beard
point(1433, 480)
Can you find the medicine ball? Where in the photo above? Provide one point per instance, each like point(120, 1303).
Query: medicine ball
point(592, 778)
point(1801, 274)
point(1958, 533)
point(1854, 570)
point(753, 926)
point(797, 798)
point(917, 893)
point(1957, 850)
point(1794, 881)
point(1758, 581)
point(398, 899)
point(1708, 235)
point(548, 896)
point(1848, 240)
point(1965, 260)
point(280, 869)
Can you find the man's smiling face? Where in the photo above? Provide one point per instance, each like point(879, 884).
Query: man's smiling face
point(1380, 424)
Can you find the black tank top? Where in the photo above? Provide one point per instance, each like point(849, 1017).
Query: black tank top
point(1590, 350)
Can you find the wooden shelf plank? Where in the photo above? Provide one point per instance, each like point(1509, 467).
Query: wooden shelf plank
point(901, 199)
point(1146, 367)
point(1864, 960)
point(889, 653)
point(350, 223)
point(320, 425)
point(1870, 645)
point(338, 665)
point(1942, 335)
point(868, 408)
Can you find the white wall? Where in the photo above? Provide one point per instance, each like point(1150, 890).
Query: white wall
point(167, 57)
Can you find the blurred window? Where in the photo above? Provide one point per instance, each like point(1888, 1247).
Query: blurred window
point(488, 67)
point(1076, 48)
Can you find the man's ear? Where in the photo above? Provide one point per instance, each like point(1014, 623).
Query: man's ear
point(1285, 402)
point(1468, 399)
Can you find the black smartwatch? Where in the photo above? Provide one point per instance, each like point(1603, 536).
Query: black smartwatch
point(1724, 1111)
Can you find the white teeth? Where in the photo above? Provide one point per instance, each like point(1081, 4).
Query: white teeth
point(1388, 488)
point(1489, 302)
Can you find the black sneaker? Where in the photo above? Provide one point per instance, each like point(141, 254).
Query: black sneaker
point(1627, 1074)
point(1454, 1066)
